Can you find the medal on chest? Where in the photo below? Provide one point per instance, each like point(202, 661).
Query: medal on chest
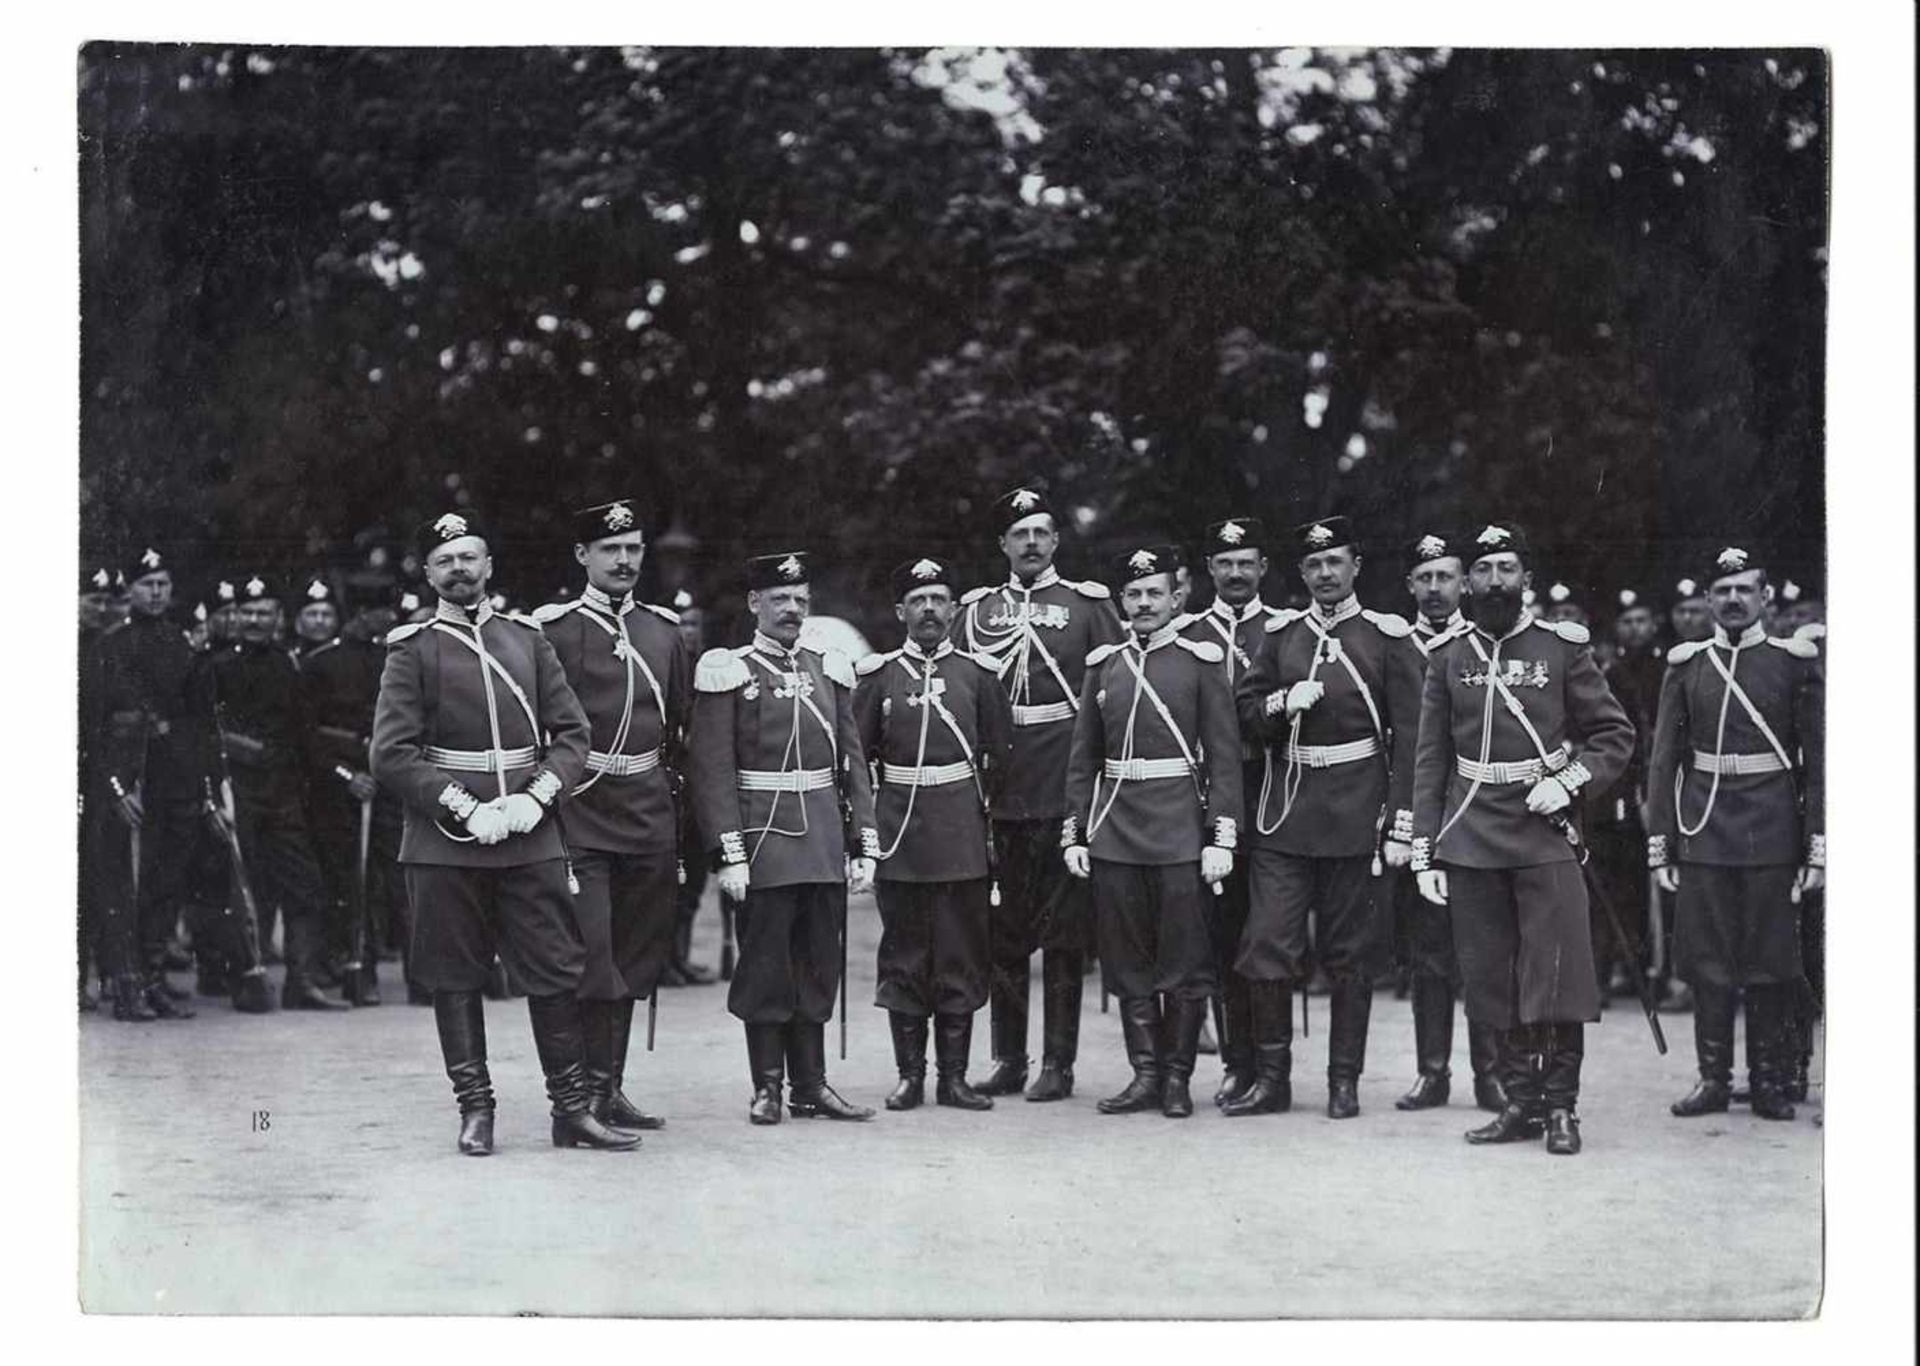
point(1012, 616)
point(935, 689)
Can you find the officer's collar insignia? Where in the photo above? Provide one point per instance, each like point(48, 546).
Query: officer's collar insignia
point(1494, 535)
point(926, 569)
point(317, 591)
point(1432, 547)
point(100, 579)
point(1023, 499)
point(450, 526)
point(225, 590)
point(790, 569)
point(255, 587)
point(619, 517)
point(1232, 533)
point(1318, 536)
point(1142, 561)
point(1732, 560)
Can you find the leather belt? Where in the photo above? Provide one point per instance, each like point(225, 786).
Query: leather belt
point(1518, 771)
point(1738, 763)
point(785, 780)
point(933, 775)
point(1135, 770)
point(622, 765)
point(1327, 756)
point(1044, 714)
point(482, 760)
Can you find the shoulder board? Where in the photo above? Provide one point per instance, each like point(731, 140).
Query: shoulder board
point(1570, 631)
point(1800, 647)
point(1184, 620)
point(1813, 630)
point(973, 595)
point(521, 618)
point(400, 633)
point(664, 613)
point(1392, 626)
point(1284, 617)
point(836, 665)
point(870, 663)
point(553, 611)
point(1087, 588)
point(1100, 655)
point(1204, 650)
point(1684, 651)
point(719, 671)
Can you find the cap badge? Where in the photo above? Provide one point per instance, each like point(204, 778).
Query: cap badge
point(619, 517)
point(1732, 560)
point(1687, 588)
point(1430, 547)
point(1559, 592)
point(682, 600)
point(225, 591)
point(151, 559)
point(409, 602)
point(1232, 533)
point(1494, 535)
point(317, 591)
point(1318, 535)
point(1790, 591)
point(1025, 499)
point(790, 569)
point(256, 586)
point(925, 570)
point(1142, 561)
point(1628, 597)
point(450, 526)
point(100, 579)
point(199, 611)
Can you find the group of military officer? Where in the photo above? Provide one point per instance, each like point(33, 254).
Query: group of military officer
point(1221, 804)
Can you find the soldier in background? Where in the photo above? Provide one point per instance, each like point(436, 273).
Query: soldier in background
point(681, 970)
point(1041, 628)
point(1616, 832)
point(108, 943)
point(1688, 614)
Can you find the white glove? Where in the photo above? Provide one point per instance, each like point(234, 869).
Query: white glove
point(522, 812)
point(860, 875)
point(1547, 797)
point(1433, 885)
point(1215, 863)
point(733, 881)
point(1811, 879)
point(1667, 879)
point(1079, 861)
point(1398, 853)
point(488, 823)
point(1303, 695)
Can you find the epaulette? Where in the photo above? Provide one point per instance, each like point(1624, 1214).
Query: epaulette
point(1284, 617)
point(1570, 631)
point(719, 671)
point(973, 595)
point(1800, 647)
point(400, 633)
point(1684, 651)
point(553, 611)
point(870, 663)
point(1184, 620)
point(1101, 654)
point(531, 623)
point(1204, 650)
point(666, 613)
point(836, 665)
point(1087, 588)
point(1813, 630)
point(1391, 626)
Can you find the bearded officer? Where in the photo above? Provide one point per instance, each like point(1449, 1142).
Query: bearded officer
point(1736, 827)
point(1041, 628)
point(1436, 576)
point(1516, 721)
point(781, 789)
point(1333, 697)
point(626, 664)
point(1235, 620)
point(479, 735)
point(936, 726)
point(1153, 816)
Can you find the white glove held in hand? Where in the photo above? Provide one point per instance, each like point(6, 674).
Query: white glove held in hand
point(1079, 861)
point(1667, 878)
point(1303, 695)
point(489, 823)
point(1547, 797)
point(860, 875)
point(733, 881)
point(1433, 885)
point(1215, 864)
point(522, 812)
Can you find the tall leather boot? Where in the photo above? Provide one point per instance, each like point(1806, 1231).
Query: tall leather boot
point(1713, 1012)
point(130, 1000)
point(910, 1057)
point(1271, 1010)
point(808, 1095)
point(622, 1113)
point(1560, 1086)
point(596, 1062)
point(1768, 1045)
point(305, 962)
point(1140, 1026)
point(766, 1060)
point(1350, 1008)
point(953, 1042)
point(462, 1023)
point(1483, 1049)
point(1803, 1007)
point(1008, 1000)
point(1182, 1019)
point(1432, 1044)
point(561, 1044)
point(1063, 979)
point(1233, 1020)
point(1522, 1117)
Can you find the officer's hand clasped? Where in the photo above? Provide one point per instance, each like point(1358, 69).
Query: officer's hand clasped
point(521, 811)
point(1302, 695)
point(1397, 853)
point(488, 823)
point(1547, 796)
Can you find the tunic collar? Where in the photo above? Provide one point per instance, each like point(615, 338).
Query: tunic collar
point(1237, 615)
point(767, 645)
point(1348, 606)
point(912, 650)
point(1521, 623)
point(1452, 623)
point(593, 597)
point(462, 616)
point(1046, 579)
point(1753, 635)
point(1164, 636)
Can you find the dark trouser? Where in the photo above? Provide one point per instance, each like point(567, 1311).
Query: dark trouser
point(284, 873)
point(183, 869)
point(1525, 953)
point(1351, 937)
point(789, 965)
point(933, 947)
point(1153, 930)
point(626, 913)
point(1737, 926)
point(464, 916)
point(108, 924)
point(1619, 865)
point(1041, 907)
point(335, 832)
point(1226, 924)
point(1435, 968)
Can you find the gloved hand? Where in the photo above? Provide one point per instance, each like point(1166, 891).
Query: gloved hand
point(1215, 863)
point(1547, 797)
point(362, 787)
point(522, 812)
point(1810, 878)
point(733, 879)
point(1398, 853)
point(1079, 861)
point(488, 823)
point(860, 875)
point(1667, 878)
point(1303, 695)
point(1433, 885)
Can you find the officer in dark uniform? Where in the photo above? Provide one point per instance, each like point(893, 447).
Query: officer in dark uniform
point(1153, 818)
point(1333, 697)
point(1614, 824)
point(1436, 576)
point(681, 970)
point(479, 735)
point(1041, 628)
point(108, 935)
point(936, 726)
point(1235, 621)
point(627, 665)
point(784, 801)
point(1516, 721)
point(265, 732)
point(1736, 827)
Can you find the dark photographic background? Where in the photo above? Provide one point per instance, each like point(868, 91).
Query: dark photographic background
point(843, 298)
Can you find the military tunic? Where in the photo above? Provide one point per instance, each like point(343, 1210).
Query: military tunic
point(1426, 929)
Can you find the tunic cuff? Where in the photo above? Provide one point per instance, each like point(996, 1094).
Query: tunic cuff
point(458, 800)
point(1574, 776)
point(1422, 855)
point(869, 843)
point(544, 787)
point(1656, 851)
point(733, 849)
point(1816, 851)
point(1226, 834)
point(1402, 831)
point(1070, 832)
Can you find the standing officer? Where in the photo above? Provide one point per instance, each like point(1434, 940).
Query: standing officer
point(936, 725)
point(1333, 696)
point(1436, 575)
point(1153, 812)
point(1736, 827)
point(1516, 720)
point(1041, 628)
point(626, 664)
point(1236, 622)
point(473, 703)
point(780, 785)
